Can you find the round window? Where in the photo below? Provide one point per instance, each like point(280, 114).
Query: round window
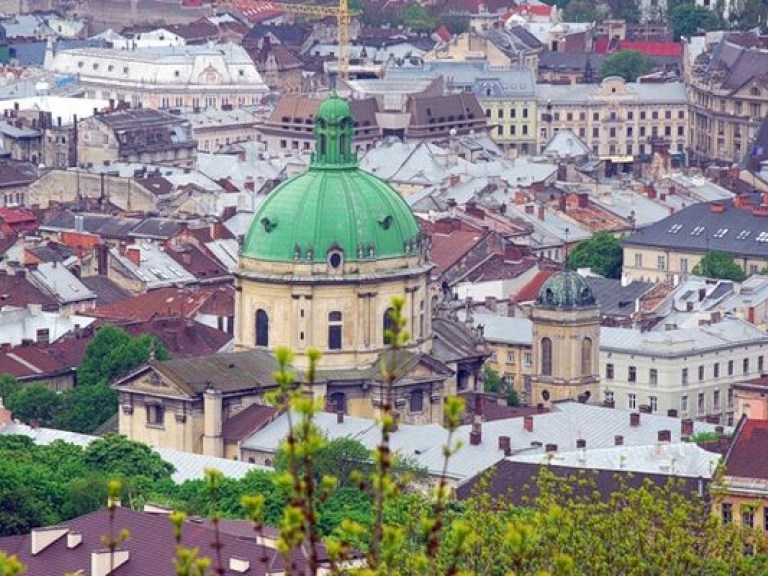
point(545, 395)
point(335, 259)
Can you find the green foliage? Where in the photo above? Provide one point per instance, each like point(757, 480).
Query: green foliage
point(416, 17)
point(688, 19)
point(581, 11)
point(513, 398)
point(115, 455)
point(34, 403)
point(455, 23)
point(338, 457)
point(491, 381)
point(748, 14)
point(8, 385)
point(628, 64)
point(628, 10)
point(114, 353)
point(85, 408)
point(602, 254)
point(716, 264)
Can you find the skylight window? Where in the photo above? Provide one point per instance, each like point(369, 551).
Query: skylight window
point(744, 234)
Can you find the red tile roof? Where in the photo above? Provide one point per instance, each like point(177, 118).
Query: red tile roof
point(164, 301)
point(16, 290)
point(30, 362)
point(182, 338)
point(535, 9)
point(653, 48)
point(247, 421)
point(748, 455)
point(17, 216)
point(530, 291)
point(443, 33)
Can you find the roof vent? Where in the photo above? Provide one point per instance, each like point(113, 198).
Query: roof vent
point(41, 538)
point(239, 565)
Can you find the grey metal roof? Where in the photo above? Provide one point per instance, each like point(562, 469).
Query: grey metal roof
point(100, 224)
point(61, 283)
point(615, 299)
point(697, 228)
point(157, 229)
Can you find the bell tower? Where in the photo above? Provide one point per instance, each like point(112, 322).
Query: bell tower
point(566, 341)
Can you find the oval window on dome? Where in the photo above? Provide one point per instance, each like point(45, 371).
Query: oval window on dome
point(335, 258)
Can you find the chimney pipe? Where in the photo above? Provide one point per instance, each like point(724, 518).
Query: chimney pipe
point(686, 427)
point(339, 417)
point(505, 445)
point(618, 440)
point(528, 423)
point(634, 419)
point(476, 435)
point(665, 435)
point(581, 443)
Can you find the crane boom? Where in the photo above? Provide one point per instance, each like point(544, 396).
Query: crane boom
point(341, 12)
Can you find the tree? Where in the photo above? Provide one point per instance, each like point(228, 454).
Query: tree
point(455, 23)
point(716, 264)
point(628, 10)
point(628, 64)
point(602, 254)
point(8, 385)
point(115, 455)
point(416, 17)
point(688, 19)
point(581, 11)
point(34, 403)
point(747, 14)
point(85, 408)
point(491, 381)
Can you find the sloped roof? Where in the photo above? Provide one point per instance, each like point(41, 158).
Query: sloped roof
point(748, 454)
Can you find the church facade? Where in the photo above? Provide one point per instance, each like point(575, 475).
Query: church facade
point(326, 253)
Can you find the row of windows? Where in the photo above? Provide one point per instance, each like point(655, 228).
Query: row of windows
point(512, 113)
point(653, 373)
point(546, 357)
point(747, 515)
point(630, 132)
point(335, 325)
point(569, 116)
point(701, 402)
point(512, 130)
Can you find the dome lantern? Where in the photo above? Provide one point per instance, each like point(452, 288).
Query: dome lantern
point(334, 129)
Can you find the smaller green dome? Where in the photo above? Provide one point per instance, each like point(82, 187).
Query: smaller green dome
point(566, 290)
point(334, 109)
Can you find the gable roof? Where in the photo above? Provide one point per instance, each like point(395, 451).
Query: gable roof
point(747, 456)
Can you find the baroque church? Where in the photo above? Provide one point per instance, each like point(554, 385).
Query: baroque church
point(325, 254)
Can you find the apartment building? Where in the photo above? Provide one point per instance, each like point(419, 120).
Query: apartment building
point(620, 121)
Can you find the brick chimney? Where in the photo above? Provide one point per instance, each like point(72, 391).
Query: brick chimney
point(505, 445)
point(476, 435)
point(686, 427)
point(528, 423)
point(618, 440)
point(634, 419)
point(665, 436)
point(134, 255)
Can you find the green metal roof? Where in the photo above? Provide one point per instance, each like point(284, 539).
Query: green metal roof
point(332, 206)
point(352, 210)
point(566, 289)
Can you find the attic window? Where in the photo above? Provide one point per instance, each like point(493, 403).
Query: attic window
point(241, 72)
point(125, 70)
point(268, 224)
point(335, 258)
point(176, 73)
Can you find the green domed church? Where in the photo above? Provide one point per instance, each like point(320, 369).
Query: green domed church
point(324, 256)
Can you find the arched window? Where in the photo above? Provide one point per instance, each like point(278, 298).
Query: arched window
point(586, 357)
point(417, 401)
point(334, 331)
point(262, 328)
point(323, 145)
point(546, 357)
point(389, 325)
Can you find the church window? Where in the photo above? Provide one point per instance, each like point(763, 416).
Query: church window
point(417, 401)
point(334, 331)
point(262, 328)
point(335, 259)
point(389, 325)
point(155, 414)
point(546, 357)
point(421, 319)
point(586, 357)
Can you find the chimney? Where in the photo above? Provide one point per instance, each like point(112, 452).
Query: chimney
point(542, 212)
point(240, 565)
point(476, 435)
point(581, 443)
point(505, 445)
point(41, 538)
point(665, 435)
point(540, 408)
point(686, 427)
point(719, 430)
point(105, 562)
point(395, 421)
point(134, 255)
point(550, 448)
point(213, 408)
point(618, 440)
point(634, 419)
point(74, 539)
point(249, 184)
point(339, 417)
point(490, 303)
point(528, 423)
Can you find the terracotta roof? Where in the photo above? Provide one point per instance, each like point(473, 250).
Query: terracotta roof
point(535, 9)
point(31, 362)
point(16, 290)
point(443, 33)
point(449, 247)
point(530, 291)
point(247, 421)
point(151, 545)
point(748, 455)
point(653, 48)
point(164, 301)
point(194, 260)
point(17, 216)
point(182, 338)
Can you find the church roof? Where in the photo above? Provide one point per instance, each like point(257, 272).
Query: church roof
point(566, 289)
point(334, 207)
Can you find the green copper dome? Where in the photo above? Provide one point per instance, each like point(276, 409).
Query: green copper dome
point(566, 290)
point(334, 212)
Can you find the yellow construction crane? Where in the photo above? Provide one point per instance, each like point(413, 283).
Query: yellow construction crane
point(342, 13)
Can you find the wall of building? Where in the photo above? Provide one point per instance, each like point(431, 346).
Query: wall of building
point(513, 123)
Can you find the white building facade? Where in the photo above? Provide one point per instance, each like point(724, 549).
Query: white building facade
point(687, 370)
point(161, 77)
